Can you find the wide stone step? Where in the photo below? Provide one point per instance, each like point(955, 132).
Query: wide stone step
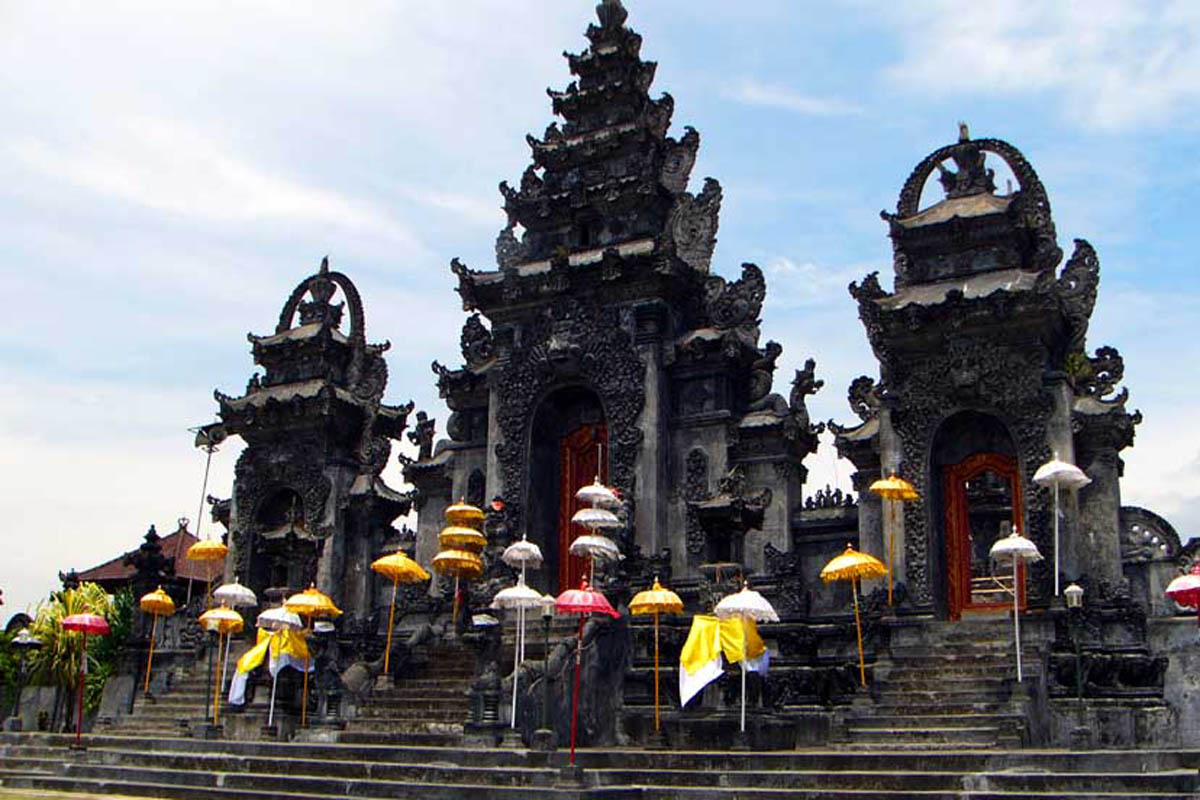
point(400, 738)
point(415, 704)
point(936, 698)
point(961, 736)
point(962, 720)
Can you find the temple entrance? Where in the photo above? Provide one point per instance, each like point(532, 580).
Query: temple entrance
point(980, 501)
point(568, 434)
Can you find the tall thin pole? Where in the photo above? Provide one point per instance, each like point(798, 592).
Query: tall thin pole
point(862, 667)
point(891, 516)
point(150, 655)
point(743, 673)
point(1056, 592)
point(79, 713)
point(274, 681)
point(516, 666)
point(216, 687)
point(209, 448)
point(1017, 616)
point(575, 697)
point(657, 726)
point(307, 656)
point(387, 654)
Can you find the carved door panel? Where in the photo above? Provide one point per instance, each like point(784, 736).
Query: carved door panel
point(580, 457)
point(983, 502)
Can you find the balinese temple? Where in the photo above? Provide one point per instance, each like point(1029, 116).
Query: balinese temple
point(605, 344)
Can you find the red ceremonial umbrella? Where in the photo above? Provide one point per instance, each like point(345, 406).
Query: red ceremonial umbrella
point(84, 623)
point(1185, 590)
point(581, 601)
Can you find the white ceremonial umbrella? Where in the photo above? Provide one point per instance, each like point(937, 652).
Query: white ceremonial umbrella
point(597, 495)
point(746, 604)
point(519, 597)
point(1016, 548)
point(596, 518)
point(1059, 474)
point(233, 595)
point(277, 619)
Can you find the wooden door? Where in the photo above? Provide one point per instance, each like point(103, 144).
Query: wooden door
point(580, 454)
point(983, 502)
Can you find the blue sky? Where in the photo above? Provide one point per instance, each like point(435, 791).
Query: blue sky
point(169, 173)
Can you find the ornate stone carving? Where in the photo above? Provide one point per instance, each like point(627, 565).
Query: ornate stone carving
point(829, 497)
point(693, 226)
point(737, 304)
point(864, 397)
point(422, 436)
point(570, 342)
point(695, 487)
point(475, 341)
point(679, 160)
point(1076, 288)
point(1098, 376)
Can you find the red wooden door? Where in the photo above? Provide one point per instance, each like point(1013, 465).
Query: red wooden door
point(580, 455)
point(983, 498)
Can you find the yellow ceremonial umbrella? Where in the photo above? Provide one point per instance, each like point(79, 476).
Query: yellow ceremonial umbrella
point(310, 604)
point(855, 566)
point(155, 603)
point(224, 621)
point(398, 567)
point(656, 600)
point(893, 490)
point(207, 550)
point(464, 514)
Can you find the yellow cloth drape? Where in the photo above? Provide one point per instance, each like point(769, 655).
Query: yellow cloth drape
point(289, 643)
point(701, 645)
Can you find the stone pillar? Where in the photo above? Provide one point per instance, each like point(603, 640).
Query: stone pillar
point(650, 468)
point(1099, 538)
point(1073, 543)
point(495, 481)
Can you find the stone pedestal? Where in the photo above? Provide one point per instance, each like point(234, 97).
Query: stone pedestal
point(545, 740)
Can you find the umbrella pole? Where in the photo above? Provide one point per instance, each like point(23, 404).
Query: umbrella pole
point(387, 653)
point(516, 664)
point(150, 655)
point(79, 713)
point(454, 614)
point(1056, 592)
point(891, 515)
point(657, 726)
point(575, 697)
point(274, 681)
point(1017, 617)
point(862, 666)
point(225, 664)
point(743, 674)
point(304, 706)
point(216, 684)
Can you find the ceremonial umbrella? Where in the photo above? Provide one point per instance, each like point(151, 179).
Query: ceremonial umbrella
point(893, 490)
point(656, 600)
point(523, 554)
point(234, 595)
point(747, 605)
point(855, 566)
point(596, 545)
point(519, 597)
point(208, 551)
point(276, 620)
point(224, 621)
point(461, 544)
point(310, 604)
point(1185, 590)
point(1059, 474)
point(582, 601)
point(399, 567)
point(155, 603)
point(84, 623)
point(1018, 548)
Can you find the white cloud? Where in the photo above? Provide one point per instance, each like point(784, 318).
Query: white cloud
point(753, 93)
point(1116, 63)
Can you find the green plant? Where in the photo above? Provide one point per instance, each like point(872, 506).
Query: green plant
point(57, 662)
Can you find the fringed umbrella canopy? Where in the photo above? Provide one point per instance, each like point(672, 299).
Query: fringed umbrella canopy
point(1060, 474)
point(279, 619)
point(399, 567)
point(519, 596)
point(522, 554)
point(1185, 589)
point(746, 603)
point(894, 487)
point(464, 514)
point(91, 624)
point(458, 564)
point(235, 595)
point(852, 564)
point(461, 538)
point(595, 546)
point(656, 600)
point(207, 550)
point(222, 620)
point(595, 518)
point(25, 639)
point(598, 495)
point(1015, 546)
point(584, 600)
point(157, 602)
point(312, 603)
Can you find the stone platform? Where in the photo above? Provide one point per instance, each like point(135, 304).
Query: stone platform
point(229, 770)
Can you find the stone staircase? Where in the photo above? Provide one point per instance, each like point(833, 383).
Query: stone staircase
point(951, 687)
point(428, 709)
point(242, 770)
point(186, 703)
